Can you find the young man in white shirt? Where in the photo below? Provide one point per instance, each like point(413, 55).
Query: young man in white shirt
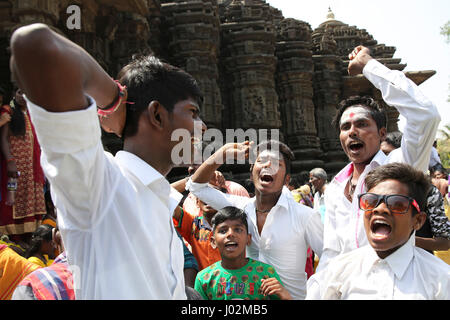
point(281, 229)
point(362, 127)
point(114, 213)
point(391, 267)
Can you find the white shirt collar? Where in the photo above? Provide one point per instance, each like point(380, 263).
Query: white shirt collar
point(147, 175)
point(139, 168)
point(399, 260)
point(378, 160)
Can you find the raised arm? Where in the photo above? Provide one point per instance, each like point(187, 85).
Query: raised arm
point(229, 151)
point(422, 117)
point(55, 73)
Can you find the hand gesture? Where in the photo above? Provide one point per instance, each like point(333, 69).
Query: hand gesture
point(272, 286)
point(218, 180)
point(358, 60)
point(234, 151)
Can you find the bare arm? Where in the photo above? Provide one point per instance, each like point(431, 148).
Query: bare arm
point(207, 170)
point(433, 244)
point(55, 73)
point(11, 167)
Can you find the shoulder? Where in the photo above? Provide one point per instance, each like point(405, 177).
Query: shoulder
point(432, 264)
point(262, 267)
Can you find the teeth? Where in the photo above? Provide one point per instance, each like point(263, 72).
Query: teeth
point(381, 222)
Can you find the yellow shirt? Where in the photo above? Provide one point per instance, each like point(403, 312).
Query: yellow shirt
point(13, 268)
point(39, 262)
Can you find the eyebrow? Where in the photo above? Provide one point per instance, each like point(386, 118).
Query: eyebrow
point(195, 105)
point(354, 119)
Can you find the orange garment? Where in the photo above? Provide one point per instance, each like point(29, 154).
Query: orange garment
point(13, 269)
point(197, 232)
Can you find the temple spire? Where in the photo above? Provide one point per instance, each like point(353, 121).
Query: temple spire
point(330, 15)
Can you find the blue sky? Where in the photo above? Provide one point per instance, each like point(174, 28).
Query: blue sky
point(412, 26)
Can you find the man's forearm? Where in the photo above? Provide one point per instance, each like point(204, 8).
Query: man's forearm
point(433, 244)
point(55, 73)
point(206, 171)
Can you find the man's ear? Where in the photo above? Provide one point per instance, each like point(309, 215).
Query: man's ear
point(382, 132)
point(157, 114)
point(419, 220)
point(213, 243)
point(287, 179)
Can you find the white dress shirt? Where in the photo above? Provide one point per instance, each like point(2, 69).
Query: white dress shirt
point(114, 213)
point(410, 273)
point(343, 224)
point(290, 228)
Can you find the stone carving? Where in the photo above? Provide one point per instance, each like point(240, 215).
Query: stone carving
point(256, 69)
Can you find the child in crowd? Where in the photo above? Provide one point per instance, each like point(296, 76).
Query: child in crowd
point(197, 231)
point(391, 267)
point(235, 276)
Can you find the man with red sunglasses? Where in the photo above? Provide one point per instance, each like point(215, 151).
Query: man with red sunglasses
point(391, 267)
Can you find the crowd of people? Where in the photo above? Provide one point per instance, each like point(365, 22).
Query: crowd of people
point(79, 223)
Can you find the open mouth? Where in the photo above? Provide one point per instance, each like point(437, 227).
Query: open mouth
point(355, 146)
point(266, 178)
point(230, 246)
point(380, 229)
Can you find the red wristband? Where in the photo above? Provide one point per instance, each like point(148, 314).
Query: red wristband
point(104, 112)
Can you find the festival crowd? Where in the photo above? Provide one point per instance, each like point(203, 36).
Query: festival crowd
point(77, 222)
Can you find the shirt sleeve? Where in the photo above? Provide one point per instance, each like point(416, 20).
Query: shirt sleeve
point(215, 198)
point(331, 244)
point(422, 117)
point(184, 225)
point(74, 162)
point(440, 225)
point(314, 232)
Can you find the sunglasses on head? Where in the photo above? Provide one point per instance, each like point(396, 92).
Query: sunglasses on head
point(396, 203)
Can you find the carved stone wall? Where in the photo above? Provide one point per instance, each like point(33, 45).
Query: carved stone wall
point(192, 37)
point(294, 77)
point(256, 69)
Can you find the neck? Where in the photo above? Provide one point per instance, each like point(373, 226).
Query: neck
point(147, 153)
point(234, 264)
point(358, 169)
point(265, 202)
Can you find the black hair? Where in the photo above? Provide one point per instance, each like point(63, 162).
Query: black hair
point(378, 114)
point(286, 152)
point(229, 213)
point(295, 182)
point(440, 168)
point(418, 183)
point(394, 139)
point(17, 122)
point(42, 233)
point(149, 79)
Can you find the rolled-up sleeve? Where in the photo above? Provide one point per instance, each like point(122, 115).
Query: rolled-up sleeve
point(73, 160)
point(215, 198)
point(422, 116)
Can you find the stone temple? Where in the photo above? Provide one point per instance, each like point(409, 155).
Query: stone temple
point(256, 68)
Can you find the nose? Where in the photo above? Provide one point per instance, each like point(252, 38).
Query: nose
point(352, 132)
point(381, 208)
point(204, 127)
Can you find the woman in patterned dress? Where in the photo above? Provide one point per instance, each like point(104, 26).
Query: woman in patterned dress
point(20, 157)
